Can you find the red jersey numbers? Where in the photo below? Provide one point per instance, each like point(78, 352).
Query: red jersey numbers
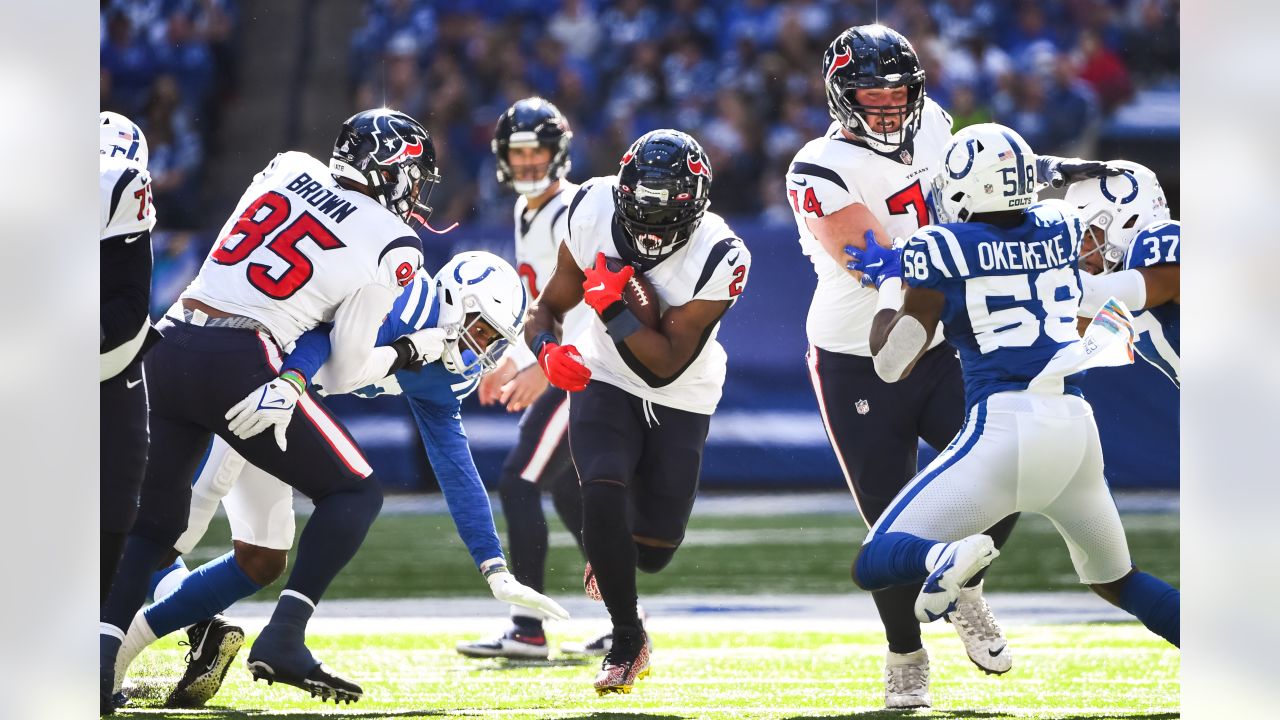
point(739, 275)
point(910, 199)
point(811, 204)
point(404, 274)
point(526, 271)
point(262, 219)
point(144, 199)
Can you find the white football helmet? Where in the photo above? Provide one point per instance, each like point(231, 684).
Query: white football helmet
point(986, 168)
point(476, 286)
point(1119, 206)
point(121, 136)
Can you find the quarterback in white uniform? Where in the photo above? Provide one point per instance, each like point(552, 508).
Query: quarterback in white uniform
point(308, 243)
point(641, 397)
point(531, 145)
point(126, 218)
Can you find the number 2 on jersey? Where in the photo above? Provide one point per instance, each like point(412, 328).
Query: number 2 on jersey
point(252, 229)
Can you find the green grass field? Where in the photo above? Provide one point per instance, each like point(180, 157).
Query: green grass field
point(409, 555)
point(1060, 671)
point(1111, 670)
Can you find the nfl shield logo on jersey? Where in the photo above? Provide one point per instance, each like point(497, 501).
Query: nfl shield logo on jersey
point(863, 407)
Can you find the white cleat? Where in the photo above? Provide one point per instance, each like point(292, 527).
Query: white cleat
point(906, 680)
point(983, 639)
point(513, 645)
point(959, 562)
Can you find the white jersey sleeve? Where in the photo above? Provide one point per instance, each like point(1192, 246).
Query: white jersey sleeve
point(725, 271)
point(125, 206)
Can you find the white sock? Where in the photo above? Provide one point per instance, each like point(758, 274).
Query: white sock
point(170, 582)
point(140, 635)
point(934, 556)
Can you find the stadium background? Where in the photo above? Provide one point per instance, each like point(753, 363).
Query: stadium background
point(220, 86)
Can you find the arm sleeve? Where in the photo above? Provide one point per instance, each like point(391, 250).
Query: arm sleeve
point(446, 444)
point(1127, 286)
point(310, 351)
point(353, 362)
point(125, 271)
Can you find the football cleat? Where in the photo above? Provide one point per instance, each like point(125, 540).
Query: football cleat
point(597, 646)
point(626, 662)
point(512, 644)
point(906, 680)
point(293, 664)
point(590, 585)
point(214, 644)
point(959, 562)
point(983, 639)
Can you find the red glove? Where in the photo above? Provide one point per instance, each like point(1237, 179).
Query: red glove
point(603, 287)
point(563, 366)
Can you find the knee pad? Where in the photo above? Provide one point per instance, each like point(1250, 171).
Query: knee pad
point(651, 559)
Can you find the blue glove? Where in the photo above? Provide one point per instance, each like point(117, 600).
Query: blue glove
point(876, 263)
point(1060, 172)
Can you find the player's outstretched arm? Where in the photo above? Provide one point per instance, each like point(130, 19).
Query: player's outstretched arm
point(1164, 284)
point(899, 337)
point(847, 226)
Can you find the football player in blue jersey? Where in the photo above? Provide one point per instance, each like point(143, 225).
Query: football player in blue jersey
point(1001, 275)
point(1131, 251)
point(447, 332)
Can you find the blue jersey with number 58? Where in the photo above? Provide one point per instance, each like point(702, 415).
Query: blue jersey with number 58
point(1157, 327)
point(1011, 294)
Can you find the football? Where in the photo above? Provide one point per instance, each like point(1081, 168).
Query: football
point(639, 295)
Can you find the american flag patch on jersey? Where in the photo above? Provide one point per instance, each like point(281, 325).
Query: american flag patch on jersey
point(1005, 154)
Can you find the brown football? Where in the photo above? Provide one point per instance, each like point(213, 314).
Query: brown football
point(639, 296)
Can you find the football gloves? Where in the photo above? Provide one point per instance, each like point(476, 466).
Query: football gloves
point(270, 406)
point(507, 589)
point(563, 366)
point(603, 287)
point(1060, 172)
point(428, 344)
point(876, 263)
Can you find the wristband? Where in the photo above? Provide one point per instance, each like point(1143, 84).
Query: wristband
point(890, 297)
point(493, 567)
point(296, 379)
point(622, 324)
point(404, 354)
point(540, 341)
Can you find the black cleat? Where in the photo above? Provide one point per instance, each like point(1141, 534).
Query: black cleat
point(214, 644)
point(277, 662)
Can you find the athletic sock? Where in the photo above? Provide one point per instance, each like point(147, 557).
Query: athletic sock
point(110, 546)
point(1156, 603)
point(332, 536)
point(212, 588)
point(527, 625)
point(896, 606)
point(893, 559)
point(526, 529)
point(129, 591)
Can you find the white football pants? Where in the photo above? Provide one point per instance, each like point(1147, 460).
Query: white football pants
point(259, 507)
point(1020, 452)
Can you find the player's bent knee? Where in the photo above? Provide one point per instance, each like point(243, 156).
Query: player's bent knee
point(1111, 591)
point(853, 569)
point(651, 559)
point(262, 565)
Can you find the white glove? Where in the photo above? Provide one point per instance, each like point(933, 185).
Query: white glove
point(271, 404)
point(507, 589)
point(430, 343)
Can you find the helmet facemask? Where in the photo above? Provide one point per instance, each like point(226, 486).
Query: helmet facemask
point(465, 356)
point(653, 228)
point(860, 119)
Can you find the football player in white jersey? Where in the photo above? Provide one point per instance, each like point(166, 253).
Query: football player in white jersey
point(871, 171)
point(126, 219)
point(1001, 274)
point(470, 313)
point(1131, 251)
point(307, 243)
point(641, 398)
point(531, 146)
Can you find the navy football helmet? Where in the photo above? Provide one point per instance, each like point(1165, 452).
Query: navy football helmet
point(664, 186)
point(538, 123)
point(873, 56)
point(392, 155)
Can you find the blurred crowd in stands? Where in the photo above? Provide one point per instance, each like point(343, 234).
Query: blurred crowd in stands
point(743, 77)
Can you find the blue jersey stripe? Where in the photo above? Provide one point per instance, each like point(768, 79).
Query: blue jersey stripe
point(903, 500)
point(422, 304)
